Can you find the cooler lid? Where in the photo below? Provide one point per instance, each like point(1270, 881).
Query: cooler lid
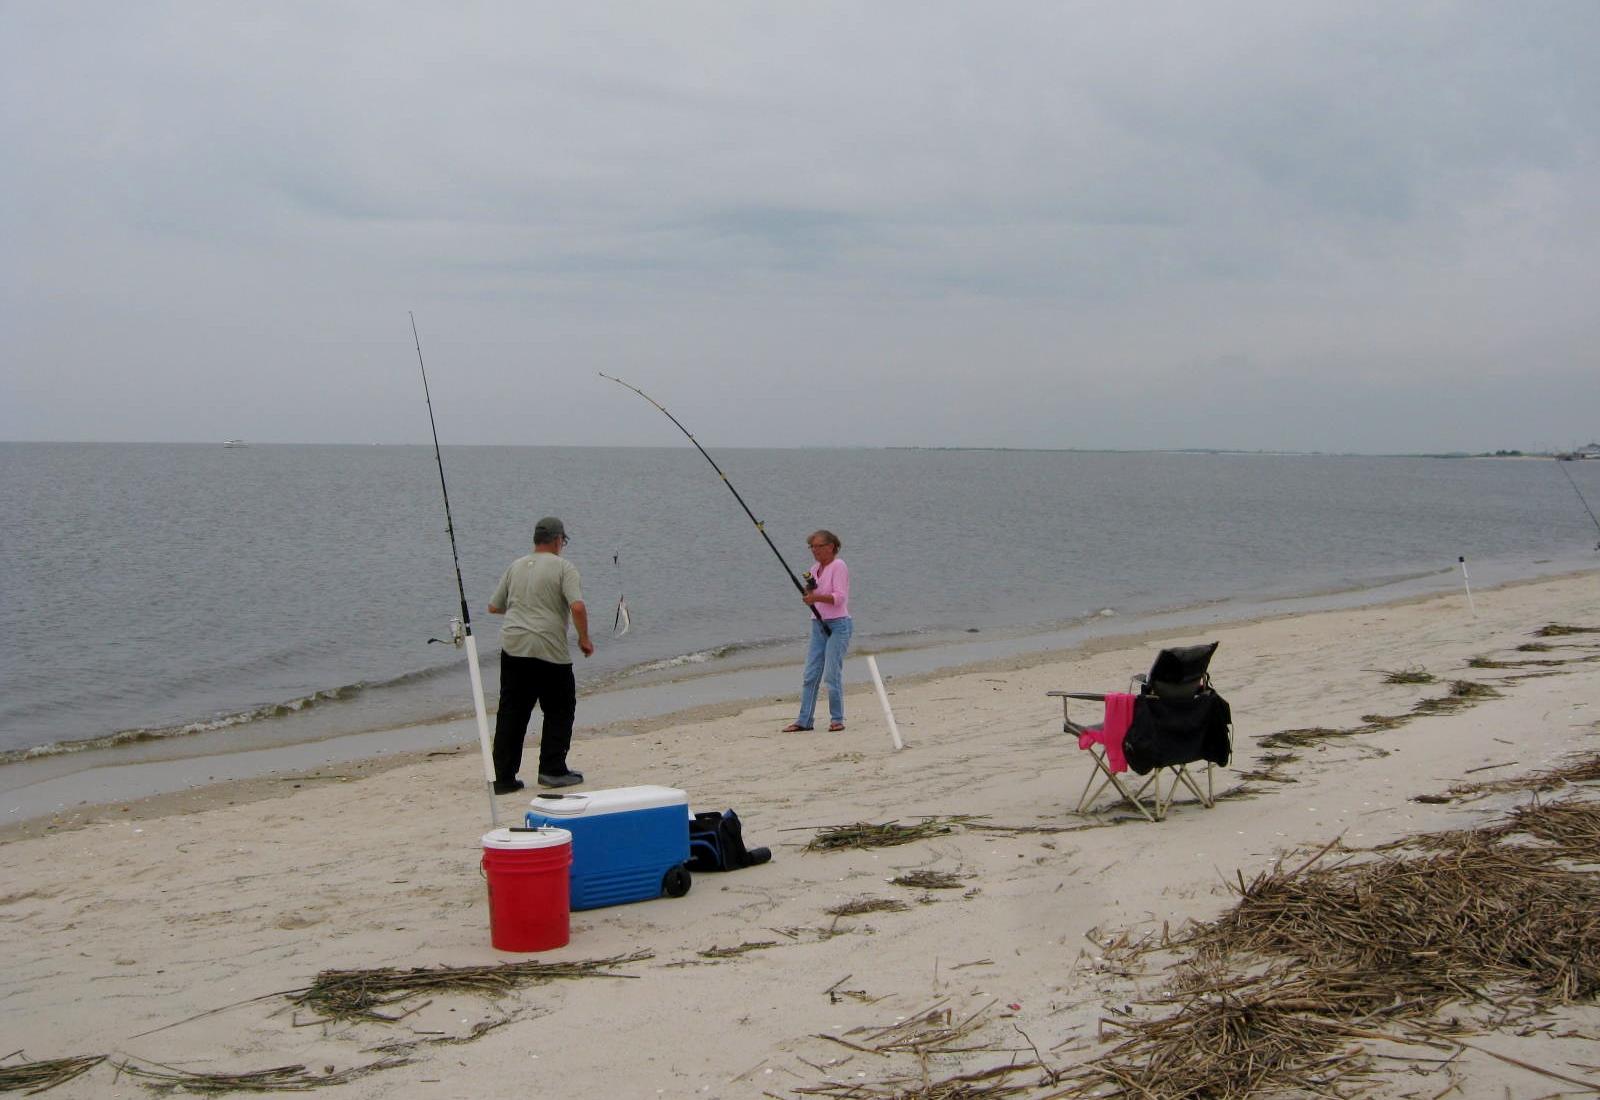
point(544, 837)
point(614, 801)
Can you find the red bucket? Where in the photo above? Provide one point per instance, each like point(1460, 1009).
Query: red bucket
point(528, 900)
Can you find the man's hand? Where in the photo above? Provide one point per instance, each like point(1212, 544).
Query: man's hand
point(587, 646)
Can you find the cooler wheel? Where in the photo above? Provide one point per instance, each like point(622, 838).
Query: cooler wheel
point(676, 882)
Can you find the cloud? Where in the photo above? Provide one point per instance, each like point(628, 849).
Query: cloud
point(992, 223)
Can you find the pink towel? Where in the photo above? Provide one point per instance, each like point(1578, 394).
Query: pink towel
point(1119, 716)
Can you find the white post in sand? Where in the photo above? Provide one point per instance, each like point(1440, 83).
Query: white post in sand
point(883, 700)
point(1468, 584)
point(483, 722)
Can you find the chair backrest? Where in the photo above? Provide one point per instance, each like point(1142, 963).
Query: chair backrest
point(1180, 672)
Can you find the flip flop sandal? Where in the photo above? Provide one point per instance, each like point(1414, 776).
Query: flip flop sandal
point(835, 727)
point(795, 727)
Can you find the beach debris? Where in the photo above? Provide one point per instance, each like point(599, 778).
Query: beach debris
point(406, 1046)
point(278, 1079)
point(1411, 674)
point(1557, 630)
point(1277, 994)
point(864, 834)
point(962, 1086)
point(929, 1034)
point(1543, 662)
point(715, 952)
point(929, 880)
point(47, 1073)
point(867, 905)
point(358, 994)
point(1462, 693)
point(978, 825)
point(1583, 768)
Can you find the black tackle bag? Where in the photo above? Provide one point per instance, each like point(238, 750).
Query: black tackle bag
point(716, 843)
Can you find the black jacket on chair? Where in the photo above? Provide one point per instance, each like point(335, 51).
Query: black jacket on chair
point(1169, 731)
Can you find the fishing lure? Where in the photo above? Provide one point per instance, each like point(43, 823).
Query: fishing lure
point(620, 625)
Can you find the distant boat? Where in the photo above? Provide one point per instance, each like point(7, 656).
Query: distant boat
point(234, 443)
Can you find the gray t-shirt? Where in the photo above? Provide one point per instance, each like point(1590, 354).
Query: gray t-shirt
point(538, 592)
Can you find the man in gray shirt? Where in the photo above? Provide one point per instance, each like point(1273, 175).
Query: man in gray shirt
point(536, 595)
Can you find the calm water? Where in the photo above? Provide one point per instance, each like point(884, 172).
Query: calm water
point(156, 590)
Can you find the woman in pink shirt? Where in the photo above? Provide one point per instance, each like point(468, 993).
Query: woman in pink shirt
point(829, 594)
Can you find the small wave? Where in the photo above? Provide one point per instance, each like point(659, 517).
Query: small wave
point(698, 657)
point(267, 711)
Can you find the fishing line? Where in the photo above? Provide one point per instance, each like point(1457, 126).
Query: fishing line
point(800, 588)
point(460, 629)
point(1560, 466)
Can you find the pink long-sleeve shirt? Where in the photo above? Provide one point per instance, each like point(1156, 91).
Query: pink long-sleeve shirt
point(833, 580)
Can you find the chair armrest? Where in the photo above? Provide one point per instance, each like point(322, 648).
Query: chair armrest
point(1067, 724)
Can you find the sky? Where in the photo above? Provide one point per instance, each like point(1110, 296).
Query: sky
point(1327, 225)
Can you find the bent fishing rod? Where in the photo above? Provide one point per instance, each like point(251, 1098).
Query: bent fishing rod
point(1579, 491)
point(800, 588)
point(460, 629)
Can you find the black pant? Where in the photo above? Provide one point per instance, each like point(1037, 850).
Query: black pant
point(526, 682)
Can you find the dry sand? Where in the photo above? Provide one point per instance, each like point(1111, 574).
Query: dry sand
point(163, 933)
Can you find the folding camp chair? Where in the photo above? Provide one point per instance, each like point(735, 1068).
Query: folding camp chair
point(1168, 719)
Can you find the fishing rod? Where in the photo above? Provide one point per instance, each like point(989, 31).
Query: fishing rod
point(800, 588)
point(1579, 491)
point(460, 629)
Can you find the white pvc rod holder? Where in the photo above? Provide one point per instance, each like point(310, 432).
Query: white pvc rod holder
point(483, 727)
point(1467, 583)
point(883, 701)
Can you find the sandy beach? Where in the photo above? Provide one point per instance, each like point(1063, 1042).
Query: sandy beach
point(167, 933)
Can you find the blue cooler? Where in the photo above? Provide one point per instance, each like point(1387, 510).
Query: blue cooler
point(628, 843)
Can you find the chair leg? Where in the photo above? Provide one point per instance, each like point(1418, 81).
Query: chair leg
point(1137, 798)
point(1102, 774)
point(1109, 778)
point(1182, 772)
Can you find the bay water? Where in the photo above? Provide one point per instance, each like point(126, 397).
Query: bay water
point(274, 593)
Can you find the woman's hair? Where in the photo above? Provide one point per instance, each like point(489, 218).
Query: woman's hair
point(828, 537)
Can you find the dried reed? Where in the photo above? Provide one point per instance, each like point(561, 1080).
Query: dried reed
point(866, 835)
point(279, 1079)
point(715, 952)
point(1583, 769)
point(1235, 1039)
point(1441, 926)
point(1386, 941)
point(964, 1086)
point(867, 905)
point(1409, 675)
point(929, 880)
point(358, 994)
point(32, 1077)
point(1556, 630)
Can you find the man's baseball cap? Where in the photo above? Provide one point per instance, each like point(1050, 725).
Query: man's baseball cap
point(549, 529)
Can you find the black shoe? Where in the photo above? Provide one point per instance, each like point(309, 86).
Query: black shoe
point(566, 779)
point(508, 786)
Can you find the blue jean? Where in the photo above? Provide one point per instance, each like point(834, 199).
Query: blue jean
point(825, 661)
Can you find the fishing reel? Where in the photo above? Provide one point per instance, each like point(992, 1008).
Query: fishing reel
point(809, 580)
point(458, 634)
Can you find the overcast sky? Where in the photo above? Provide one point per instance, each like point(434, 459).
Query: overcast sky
point(1311, 225)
